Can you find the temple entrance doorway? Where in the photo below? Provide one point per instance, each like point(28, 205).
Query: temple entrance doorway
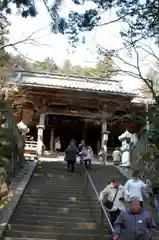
point(68, 128)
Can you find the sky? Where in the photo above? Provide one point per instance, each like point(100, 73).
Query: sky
point(57, 47)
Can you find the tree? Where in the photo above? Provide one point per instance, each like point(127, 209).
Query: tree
point(19, 62)
point(104, 67)
point(153, 75)
point(129, 66)
point(3, 55)
point(141, 17)
point(47, 65)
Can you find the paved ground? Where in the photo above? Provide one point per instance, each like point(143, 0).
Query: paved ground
point(61, 159)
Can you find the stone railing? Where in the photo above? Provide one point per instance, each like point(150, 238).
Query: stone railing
point(11, 141)
point(143, 154)
point(141, 146)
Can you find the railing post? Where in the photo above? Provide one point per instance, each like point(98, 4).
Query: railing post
point(102, 211)
point(85, 179)
point(102, 224)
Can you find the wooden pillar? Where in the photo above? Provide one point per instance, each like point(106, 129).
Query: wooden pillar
point(52, 140)
point(104, 136)
point(84, 135)
point(40, 128)
point(104, 130)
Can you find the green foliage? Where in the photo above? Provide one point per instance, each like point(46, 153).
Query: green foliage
point(26, 7)
point(5, 139)
point(141, 17)
point(103, 69)
point(67, 67)
point(47, 65)
point(153, 133)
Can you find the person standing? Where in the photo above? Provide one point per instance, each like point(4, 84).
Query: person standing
point(116, 156)
point(86, 156)
point(81, 145)
point(134, 223)
point(70, 156)
point(90, 156)
point(57, 145)
point(114, 203)
point(101, 155)
point(135, 187)
point(155, 194)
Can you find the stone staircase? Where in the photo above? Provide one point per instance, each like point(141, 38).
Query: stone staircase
point(55, 205)
point(61, 205)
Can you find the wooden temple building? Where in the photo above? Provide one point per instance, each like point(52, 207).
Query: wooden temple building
point(72, 107)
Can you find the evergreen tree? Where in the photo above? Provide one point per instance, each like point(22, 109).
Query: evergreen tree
point(141, 17)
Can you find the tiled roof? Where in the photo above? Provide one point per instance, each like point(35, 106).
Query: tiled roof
point(63, 81)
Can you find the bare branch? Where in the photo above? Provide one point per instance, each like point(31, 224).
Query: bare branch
point(28, 38)
point(110, 22)
point(21, 54)
point(149, 51)
point(133, 69)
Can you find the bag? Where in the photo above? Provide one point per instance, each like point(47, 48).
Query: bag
point(78, 159)
point(109, 204)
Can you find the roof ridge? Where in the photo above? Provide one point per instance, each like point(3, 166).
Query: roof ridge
point(53, 81)
point(69, 77)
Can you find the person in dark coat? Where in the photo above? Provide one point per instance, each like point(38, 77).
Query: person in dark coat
point(70, 156)
point(134, 223)
point(155, 194)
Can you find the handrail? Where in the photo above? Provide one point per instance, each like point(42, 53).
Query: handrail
point(101, 204)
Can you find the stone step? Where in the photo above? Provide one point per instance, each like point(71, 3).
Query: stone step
point(70, 205)
point(47, 186)
point(55, 191)
point(78, 229)
point(42, 222)
point(61, 237)
point(53, 209)
point(57, 202)
point(58, 212)
point(56, 205)
point(60, 218)
point(51, 196)
point(50, 235)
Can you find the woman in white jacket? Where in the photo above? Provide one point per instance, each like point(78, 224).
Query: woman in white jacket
point(114, 193)
point(87, 155)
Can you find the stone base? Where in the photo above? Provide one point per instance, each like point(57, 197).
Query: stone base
point(127, 165)
point(116, 162)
